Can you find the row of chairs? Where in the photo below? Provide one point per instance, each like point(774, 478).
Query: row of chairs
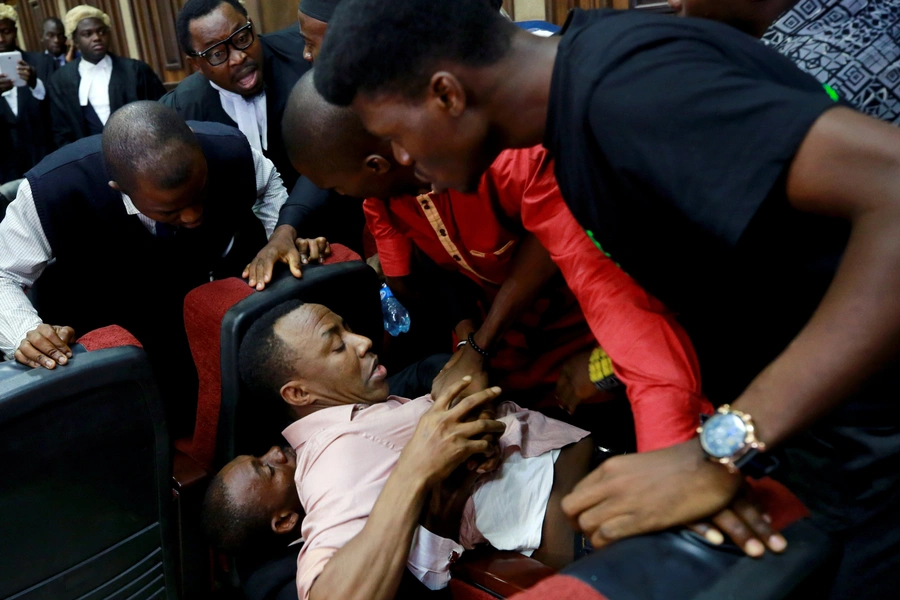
point(97, 502)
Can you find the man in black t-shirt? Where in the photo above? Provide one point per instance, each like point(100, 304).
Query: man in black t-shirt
point(733, 187)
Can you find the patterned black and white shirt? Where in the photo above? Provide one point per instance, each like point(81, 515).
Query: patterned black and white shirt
point(851, 45)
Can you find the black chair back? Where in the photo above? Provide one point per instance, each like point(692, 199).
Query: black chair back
point(251, 426)
point(86, 493)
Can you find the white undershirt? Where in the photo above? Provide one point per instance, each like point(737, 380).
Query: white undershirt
point(94, 86)
point(250, 114)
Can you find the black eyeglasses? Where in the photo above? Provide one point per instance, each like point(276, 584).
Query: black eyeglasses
point(217, 54)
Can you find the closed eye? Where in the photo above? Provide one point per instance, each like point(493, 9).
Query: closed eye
point(340, 348)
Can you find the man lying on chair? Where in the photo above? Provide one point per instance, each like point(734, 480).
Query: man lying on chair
point(386, 482)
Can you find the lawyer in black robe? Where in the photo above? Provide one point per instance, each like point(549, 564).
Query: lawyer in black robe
point(131, 80)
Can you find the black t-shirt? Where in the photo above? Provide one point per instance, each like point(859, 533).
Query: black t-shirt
point(672, 140)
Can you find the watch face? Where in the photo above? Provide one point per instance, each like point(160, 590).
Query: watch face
point(723, 435)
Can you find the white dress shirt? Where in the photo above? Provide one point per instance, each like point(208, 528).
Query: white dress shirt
point(25, 250)
point(94, 86)
point(250, 114)
point(12, 96)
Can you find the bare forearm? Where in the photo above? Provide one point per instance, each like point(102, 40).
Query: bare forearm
point(371, 565)
point(854, 330)
point(847, 167)
point(531, 269)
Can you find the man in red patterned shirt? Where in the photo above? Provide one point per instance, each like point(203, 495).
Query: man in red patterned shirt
point(511, 236)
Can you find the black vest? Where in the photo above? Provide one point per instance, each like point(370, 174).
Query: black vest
point(109, 269)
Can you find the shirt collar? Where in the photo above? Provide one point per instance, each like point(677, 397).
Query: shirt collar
point(130, 208)
point(228, 94)
point(87, 67)
point(299, 432)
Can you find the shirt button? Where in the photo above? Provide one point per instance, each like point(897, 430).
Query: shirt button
point(425, 205)
point(443, 232)
point(456, 257)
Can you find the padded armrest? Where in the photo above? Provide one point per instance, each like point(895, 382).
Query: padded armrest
point(186, 472)
point(502, 573)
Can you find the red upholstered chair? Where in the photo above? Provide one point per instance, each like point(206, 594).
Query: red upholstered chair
point(194, 458)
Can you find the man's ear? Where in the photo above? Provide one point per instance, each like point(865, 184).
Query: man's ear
point(448, 92)
point(114, 186)
point(285, 521)
point(377, 164)
point(295, 393)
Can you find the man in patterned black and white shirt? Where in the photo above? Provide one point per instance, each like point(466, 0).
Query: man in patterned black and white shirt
point(850, 46)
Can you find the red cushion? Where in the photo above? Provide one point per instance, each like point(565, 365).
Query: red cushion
point(204, 309)
point(561, 586)
point(110, 336)
point(341, 253)
point(781, 504)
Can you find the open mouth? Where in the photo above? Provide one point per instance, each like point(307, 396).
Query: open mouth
point(248, 78)
point(378, 371)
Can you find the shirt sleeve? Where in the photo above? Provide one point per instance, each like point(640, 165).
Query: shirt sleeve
point(430, 558)
point(302, 204)
point(651, 353)
point(394, 248)
point(24, 254)
point(270, 192)
point(40, 91)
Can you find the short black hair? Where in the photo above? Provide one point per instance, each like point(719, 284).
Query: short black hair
point(316, 132)
point(148, 138)
point(230, 526)
point(264, 359)
point(394, 47)
point(195, 9)
point(55, 21)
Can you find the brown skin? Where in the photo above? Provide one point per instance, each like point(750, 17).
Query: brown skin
point(53, 39)
point(242, 73)
point(284, 246)
point(267, 481)
point(334, 366)
point(313, 30)
point(750, 16)
point(847, 166)
point(91, 38)
point(8, 33)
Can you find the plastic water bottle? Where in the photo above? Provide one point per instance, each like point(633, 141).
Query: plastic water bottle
point(395, 316)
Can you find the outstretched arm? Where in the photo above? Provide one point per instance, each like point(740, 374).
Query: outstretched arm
point(847, 166)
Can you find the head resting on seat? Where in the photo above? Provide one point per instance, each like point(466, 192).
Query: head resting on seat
point(252, 502)
point(307, 356)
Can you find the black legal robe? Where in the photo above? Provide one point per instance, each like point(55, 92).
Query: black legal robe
point(131, 80)
point(25, 136)
point(196, 99)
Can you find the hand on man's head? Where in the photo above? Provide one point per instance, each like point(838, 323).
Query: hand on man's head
point(46, 346)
